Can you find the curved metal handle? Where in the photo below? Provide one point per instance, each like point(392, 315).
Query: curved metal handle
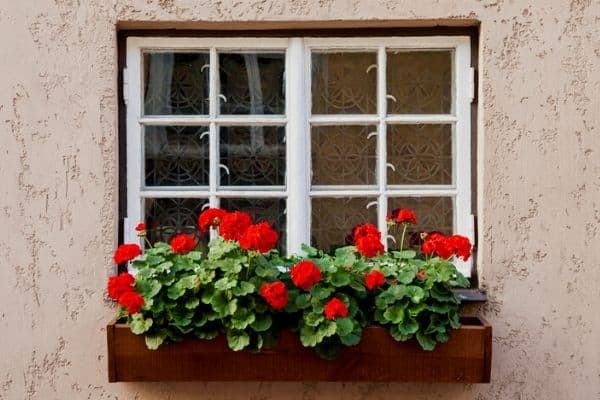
point(204, 67)
point(222, 96)
point(205, 206)
point(391, 237)
point(370, 67)
point(203, 134)
point(371, 204)
point(390, 97)
point(370, 135)
point(225, 168)
point(391, 166)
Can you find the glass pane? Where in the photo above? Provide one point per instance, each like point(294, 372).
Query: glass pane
point(433, 214)
point(253, 155)
point(269, 210)
point(344, 83)
point(344, 155)
point(252, 83)
point(420, 154)
point(334, 218)
point(176, 155)
point(419, 81)
point(167, 217)
point(176, 83)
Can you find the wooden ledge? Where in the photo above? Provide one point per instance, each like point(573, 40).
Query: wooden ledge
point(465, 358)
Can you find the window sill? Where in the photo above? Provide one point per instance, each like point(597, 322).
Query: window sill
point(465, 358)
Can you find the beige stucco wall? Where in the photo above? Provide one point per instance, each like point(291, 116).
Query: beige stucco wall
point(539, 200)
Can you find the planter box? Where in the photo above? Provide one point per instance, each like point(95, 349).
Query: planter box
point(465, 358)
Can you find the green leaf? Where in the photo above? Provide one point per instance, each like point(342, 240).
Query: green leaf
point(225, 283)
point(195, 255)
point(394, 314)
point(404, 255)
point(408, 327)
point(327, 329)
point(397, 335)
point(440, 308)
point(442, 294)
point(320, 292)
point(416, 309)
point(242, 318)
point(442, 337)
point(302, 300)
point(426, 342)
point(147, 288)
point(415, 293)
point(407, 274)
point(139, 325)
point(454, 318)
point(218, 248)
point(340, 278)
point(207, 335)
point(266, 271)
point(175, 291)
point(154, 341)
point(308, 336)
point(313, 319)
point(243, 288)
point(237, 340)
point(192, 303)
point(350, 339)
point(310, 251)
point(344, 326)
point(261, 323)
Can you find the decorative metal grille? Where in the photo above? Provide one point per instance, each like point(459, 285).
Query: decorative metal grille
point(252, 83)
point(344, 83)
point(344, 155)
point(176, 156)
point(420, 154)
point(167, 217)
point(334, 218)
point(253, 155)
point(176, 83)
point(419, 82)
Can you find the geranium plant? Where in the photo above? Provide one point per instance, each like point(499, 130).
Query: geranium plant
point(243, 288)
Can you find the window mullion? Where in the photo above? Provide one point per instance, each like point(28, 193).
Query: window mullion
point(213, 133)
point(298, 154)
point(381, 150)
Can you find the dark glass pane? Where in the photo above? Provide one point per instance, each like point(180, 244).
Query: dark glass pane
point(176, 155)
point(334, 218)
point(433, 214)
point(176, 83)
point(252, 83)
point(342, 85)
point(253, 155)
point(344, 155)
point(420, 154)
point(419, 81)
point(167, 217)
point(269, 210)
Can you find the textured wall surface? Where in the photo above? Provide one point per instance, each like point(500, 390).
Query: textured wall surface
point(539, 193)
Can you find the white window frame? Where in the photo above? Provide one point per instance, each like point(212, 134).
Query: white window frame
point(298, 120)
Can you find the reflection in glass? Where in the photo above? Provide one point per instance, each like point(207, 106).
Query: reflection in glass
point(433, 214)
point(334, 218)
point(252, 83)
point(419, 81)
point(167, 217)
point(343, 155)
point(176, 156)
point(253, 155)
point(269, 210)
point(420, 154)
point(344, 83)
point(176, 83)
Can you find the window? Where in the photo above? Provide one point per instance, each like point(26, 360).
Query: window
point(315, 135)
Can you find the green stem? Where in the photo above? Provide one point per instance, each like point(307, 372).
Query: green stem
point(405, 226)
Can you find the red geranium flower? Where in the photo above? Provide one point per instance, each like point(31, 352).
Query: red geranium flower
point(335, 308)
point(365, 230)
point(126, 252)
point(305, 274)
point(259, 237)
point(275, 294)
point(439, 244)
point(369, 246)
point(140, 227)
point(120, 284)
point(183, 243)
point(403, 216)
point(461, 245)
point(131, 301)
point(210, 217)
point(234, 224)
point(374, 279)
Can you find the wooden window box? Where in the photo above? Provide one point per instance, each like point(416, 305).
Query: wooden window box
point(465, 358)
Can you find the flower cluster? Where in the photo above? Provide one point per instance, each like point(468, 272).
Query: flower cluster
point(121, 288)
point(237, 286)
point(447, 246)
